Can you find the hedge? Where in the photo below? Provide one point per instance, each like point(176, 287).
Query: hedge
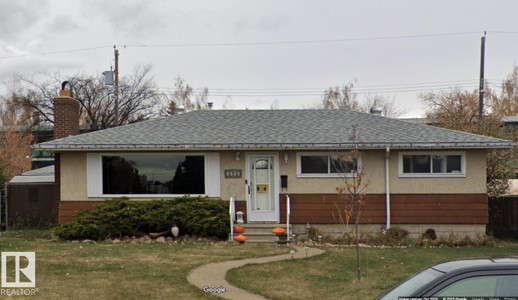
point(122, 217)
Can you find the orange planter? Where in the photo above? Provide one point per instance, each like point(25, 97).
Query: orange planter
point(239, 229)
point(279, 230)
point(240, 238)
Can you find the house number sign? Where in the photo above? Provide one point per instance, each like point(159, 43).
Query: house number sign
point(233, 173)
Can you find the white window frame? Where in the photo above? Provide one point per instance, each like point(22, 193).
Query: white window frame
point(94, 171)
point(432, 153)
point(328, 175)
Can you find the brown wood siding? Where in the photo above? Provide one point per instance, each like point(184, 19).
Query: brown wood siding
point(405, 209)
point(69, 209)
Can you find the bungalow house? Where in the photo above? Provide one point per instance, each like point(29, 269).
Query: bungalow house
point(419, 176)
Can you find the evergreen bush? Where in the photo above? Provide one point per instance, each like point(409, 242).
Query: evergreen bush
point(122, 217)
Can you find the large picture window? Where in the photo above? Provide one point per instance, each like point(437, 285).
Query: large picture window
point(324, 165)
point(433, 164)
point(131, 174)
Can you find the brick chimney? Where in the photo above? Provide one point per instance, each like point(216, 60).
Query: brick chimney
point(66, 123)
point(66, 113)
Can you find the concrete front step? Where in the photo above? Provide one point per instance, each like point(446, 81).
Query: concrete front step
point(262, 233)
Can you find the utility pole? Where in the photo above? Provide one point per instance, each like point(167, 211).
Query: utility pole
point(481, 90)
point(116, 52)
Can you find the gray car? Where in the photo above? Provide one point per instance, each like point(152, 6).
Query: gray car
point(473, 277)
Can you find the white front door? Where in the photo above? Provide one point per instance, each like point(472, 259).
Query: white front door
point(262, 188)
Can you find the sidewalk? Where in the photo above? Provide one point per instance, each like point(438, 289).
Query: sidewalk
point(213, 275)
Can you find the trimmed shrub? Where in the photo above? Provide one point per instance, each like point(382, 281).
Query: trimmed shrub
point(429, 234)
point(396, 233)
point(122, 217)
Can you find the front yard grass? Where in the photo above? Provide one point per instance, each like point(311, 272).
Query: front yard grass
point(104, 270)
point(333, 275)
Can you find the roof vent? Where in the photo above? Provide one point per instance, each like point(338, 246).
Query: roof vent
point(179, 109)
point(376, 111)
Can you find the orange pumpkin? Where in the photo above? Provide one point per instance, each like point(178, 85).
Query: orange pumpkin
point(239, 229)
point(279, 230)
point(240, 238)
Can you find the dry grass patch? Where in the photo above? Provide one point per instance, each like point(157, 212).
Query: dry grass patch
point(333, 274)
point(104, 270)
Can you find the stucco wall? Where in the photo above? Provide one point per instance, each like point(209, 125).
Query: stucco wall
point(232, 186)
point(73, 176)
point(473, 183)
point(373, 165)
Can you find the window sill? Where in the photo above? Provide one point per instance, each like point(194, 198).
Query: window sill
point(324, 175)
point(417, 175)
point(158, 196)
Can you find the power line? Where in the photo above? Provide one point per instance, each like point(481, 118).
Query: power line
point(264, 43)
point(54, 52)
point(417, 84)
point(300, 92)
point(299, 41)
point(503, 32)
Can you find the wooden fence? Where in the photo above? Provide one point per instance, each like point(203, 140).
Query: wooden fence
point(503, 217)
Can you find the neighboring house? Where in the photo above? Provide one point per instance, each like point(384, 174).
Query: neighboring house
point(419, 176)
point(30, 197)
point(40, 133)
point(510, 121)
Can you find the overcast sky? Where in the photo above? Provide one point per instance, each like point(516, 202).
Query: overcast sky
point(258, 52)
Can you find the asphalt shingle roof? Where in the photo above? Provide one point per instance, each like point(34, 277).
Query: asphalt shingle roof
point(270, 129)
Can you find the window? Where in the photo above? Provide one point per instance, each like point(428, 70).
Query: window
point(412, 284)
point(131, 174)
point(323, 165)
point(432, 164)
point(482, 286)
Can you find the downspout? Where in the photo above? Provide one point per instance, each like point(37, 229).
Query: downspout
point(387, 186)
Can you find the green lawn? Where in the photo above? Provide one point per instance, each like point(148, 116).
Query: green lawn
point(104, 270)
point(333, 274)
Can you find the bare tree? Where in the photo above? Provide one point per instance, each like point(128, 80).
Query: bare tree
point(387, 105)
point(345, 97)
point(137, 97)
point(15, 156)
point(507, 103)
point(453, 109)
point(184, 95)
point(228, 104)
point(458, 110)
point(14, 114)
point(353, 189)
point(340, 97)
point(15, 139)
point(274, 104)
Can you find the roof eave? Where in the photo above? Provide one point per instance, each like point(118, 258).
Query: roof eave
point(270, 146)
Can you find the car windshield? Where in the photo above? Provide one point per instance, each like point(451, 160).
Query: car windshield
point(411, 284)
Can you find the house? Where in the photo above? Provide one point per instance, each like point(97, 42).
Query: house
point(419, 176)
point(30, 197)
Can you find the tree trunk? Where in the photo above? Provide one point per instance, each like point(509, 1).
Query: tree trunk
point(356, 224)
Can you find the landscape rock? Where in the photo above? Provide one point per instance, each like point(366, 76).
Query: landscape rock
point(157, 234)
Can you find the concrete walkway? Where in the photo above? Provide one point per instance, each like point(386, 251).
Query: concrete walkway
point(210, 277)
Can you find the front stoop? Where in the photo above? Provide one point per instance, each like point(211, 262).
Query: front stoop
point(262, 233)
